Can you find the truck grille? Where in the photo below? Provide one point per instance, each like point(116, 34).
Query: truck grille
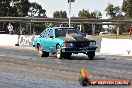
point(81, 44)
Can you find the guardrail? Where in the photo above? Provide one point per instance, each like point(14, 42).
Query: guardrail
point(65, 20)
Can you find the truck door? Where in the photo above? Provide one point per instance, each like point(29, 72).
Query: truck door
point(43, 39)
point(51, 43)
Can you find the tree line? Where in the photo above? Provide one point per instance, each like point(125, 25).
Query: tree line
point(23, 8)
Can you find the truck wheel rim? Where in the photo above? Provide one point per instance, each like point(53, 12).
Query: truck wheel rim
point(58, 52)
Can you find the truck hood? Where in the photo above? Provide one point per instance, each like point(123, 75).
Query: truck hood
point(74, 37)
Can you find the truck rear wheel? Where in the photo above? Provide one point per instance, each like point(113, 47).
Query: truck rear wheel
point(41, 52)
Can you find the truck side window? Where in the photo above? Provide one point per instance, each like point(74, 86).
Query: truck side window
point(47, 33)
point(44, 33)
point(50, 32)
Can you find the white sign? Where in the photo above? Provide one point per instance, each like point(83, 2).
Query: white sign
point(26, 40)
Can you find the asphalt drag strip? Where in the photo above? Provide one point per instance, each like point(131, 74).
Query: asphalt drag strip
point(22, 68)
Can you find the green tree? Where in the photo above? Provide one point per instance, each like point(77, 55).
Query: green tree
point(96, 14)
point(127, 8)
point(113, 12)
point(19, 8)
point(60, 14)
point(85, 14)
point(36, 10)
point(4, 7)
point(42, 13)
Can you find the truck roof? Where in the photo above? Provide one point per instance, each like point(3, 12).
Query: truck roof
point(63, 27)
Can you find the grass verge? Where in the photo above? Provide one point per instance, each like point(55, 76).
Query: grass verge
point(111, 36)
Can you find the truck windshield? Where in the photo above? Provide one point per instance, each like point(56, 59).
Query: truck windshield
point(63, 32)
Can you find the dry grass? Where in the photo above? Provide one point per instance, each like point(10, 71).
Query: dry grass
point(111, 36)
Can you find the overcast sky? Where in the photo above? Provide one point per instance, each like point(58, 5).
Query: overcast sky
point(56, 5)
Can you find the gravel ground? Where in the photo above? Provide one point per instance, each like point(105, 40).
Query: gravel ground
point(21, 67)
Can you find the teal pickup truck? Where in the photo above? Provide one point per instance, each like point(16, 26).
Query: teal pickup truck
point(64, 41)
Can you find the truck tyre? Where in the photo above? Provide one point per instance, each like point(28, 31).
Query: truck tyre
point(91, 55)
point(41, 52)
point(58, 52)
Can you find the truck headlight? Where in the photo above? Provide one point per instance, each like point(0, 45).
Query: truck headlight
point(92, 43)
point(68, 45)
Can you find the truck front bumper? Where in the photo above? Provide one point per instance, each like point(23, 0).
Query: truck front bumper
point(79, 50)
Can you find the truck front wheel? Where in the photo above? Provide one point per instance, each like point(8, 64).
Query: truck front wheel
point(91, 55)
point(58, 52)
